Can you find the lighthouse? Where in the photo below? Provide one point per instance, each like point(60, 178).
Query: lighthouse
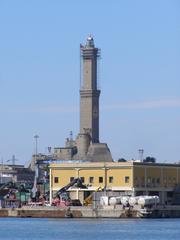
point(89, 92)
point(88, 144)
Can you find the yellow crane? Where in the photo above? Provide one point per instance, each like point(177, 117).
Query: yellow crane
point(88, 200)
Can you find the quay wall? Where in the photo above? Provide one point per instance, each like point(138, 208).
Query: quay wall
point(89, 212)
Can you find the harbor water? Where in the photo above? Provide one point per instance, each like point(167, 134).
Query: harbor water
point(89, 229)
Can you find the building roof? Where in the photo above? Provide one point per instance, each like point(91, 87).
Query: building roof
point(109, 164)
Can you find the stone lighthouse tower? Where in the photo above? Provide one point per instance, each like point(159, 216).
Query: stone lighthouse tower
point(88, 143)
point(89, 93)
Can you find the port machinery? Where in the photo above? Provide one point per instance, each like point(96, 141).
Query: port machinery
point(11, 193)
point(62, 198)
point(89, 199)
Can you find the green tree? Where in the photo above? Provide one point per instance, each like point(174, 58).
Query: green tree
point(149, 160)
point(122, 160)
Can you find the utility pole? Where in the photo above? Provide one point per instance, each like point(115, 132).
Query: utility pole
point(13, 160)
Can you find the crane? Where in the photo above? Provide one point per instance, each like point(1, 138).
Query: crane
point(88, 200)
point(62, 197)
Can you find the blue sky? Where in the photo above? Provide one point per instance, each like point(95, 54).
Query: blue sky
point(139, 74)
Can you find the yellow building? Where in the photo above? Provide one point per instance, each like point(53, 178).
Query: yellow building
point(126, 178)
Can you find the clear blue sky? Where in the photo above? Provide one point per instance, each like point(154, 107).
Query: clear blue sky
point(139, 74)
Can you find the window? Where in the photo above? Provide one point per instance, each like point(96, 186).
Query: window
point(71, 179)
point(111, 179)
point(127, 179)
point(153, 180)
point(100, 179)
point(82, 179)
point(142, 181)
point(91, 179)
point(56, 180)
point(158, 180)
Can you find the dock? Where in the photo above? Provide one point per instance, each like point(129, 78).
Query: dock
point(89, 212)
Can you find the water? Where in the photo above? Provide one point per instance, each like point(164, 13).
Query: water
point(89, 229)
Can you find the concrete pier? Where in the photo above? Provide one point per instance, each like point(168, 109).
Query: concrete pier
point(89, 212)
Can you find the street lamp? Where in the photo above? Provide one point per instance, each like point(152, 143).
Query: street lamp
point(34, 190)
point(36, 146)
point(141, 152)
point(36, 153)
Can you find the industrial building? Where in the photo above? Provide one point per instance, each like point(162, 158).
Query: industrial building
point(124, 178)
point(15, 173)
